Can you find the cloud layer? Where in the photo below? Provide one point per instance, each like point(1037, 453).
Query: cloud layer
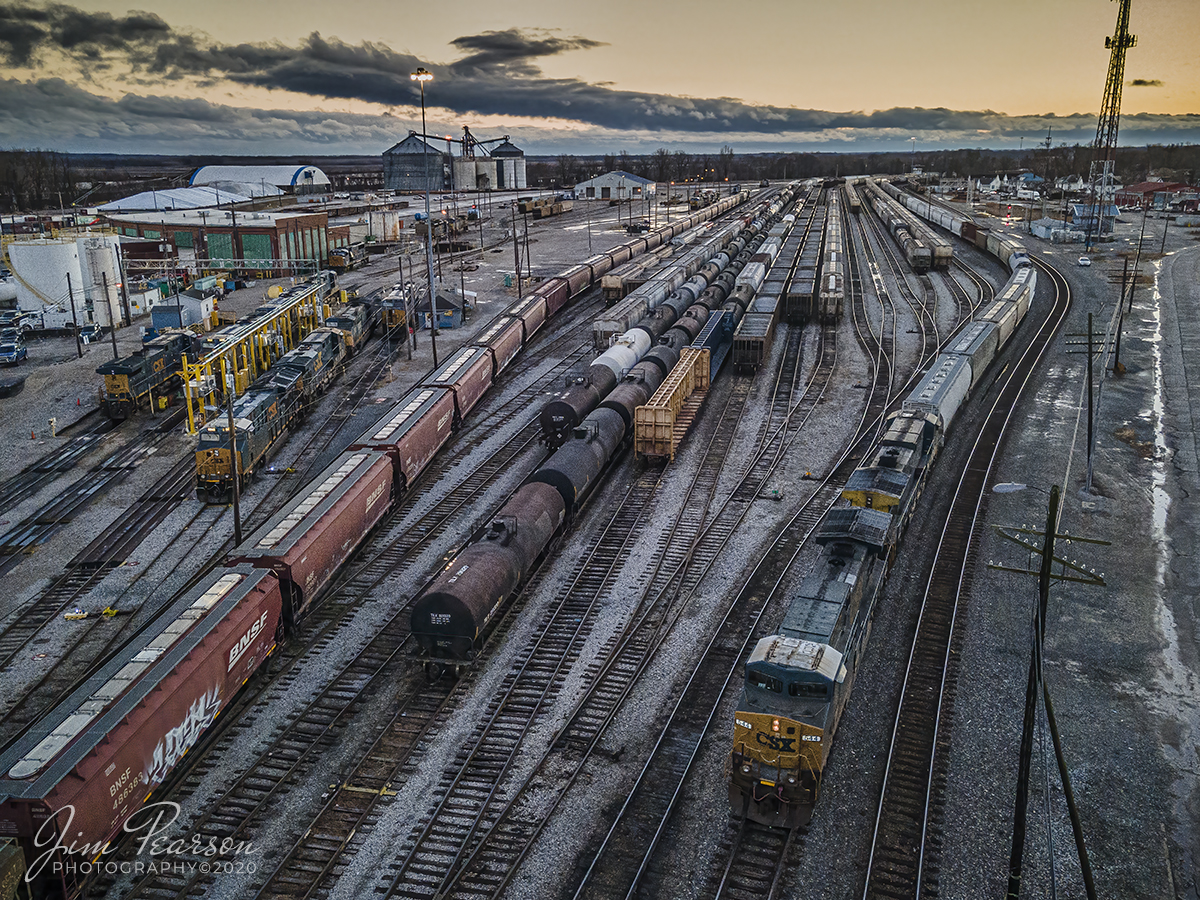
point(498, 74)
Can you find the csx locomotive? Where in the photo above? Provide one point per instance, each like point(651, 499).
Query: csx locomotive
point(798, 680)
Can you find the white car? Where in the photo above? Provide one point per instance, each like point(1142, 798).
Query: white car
point(1084, 261)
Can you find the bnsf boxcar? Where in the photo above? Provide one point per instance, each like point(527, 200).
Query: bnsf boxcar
point(86, 768)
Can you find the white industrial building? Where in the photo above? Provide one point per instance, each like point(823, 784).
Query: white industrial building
point(616, 185)
point(176, 198)
point(262, 181)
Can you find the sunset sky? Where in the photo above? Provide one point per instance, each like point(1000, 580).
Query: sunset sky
point(177, 76)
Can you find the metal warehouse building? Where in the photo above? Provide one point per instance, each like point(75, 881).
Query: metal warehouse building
point(258, 181)
point(267, 242)
point(616, 185)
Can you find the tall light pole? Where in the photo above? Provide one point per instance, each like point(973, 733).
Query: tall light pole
point(421, 76)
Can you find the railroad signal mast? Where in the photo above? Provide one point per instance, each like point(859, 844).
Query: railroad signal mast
point(1103, 159)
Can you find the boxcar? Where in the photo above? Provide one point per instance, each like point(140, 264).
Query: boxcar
point(752, 340)
point(309, 539)
point(468, 373)
point(503, 338)
point(978, 342)
point(943, 389)
point(412, 431)
point(92, 761)
point(531, 310)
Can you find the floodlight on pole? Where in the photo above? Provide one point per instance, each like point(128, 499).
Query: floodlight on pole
point(421, 76)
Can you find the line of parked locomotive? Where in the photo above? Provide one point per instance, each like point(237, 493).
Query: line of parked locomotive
point(131, 382)
point(91, 762)
point(277, 401)
point(798, 680)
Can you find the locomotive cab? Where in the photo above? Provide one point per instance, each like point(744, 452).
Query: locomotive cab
point(779, 745)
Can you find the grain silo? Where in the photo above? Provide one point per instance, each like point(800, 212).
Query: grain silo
point(510, 167)
point(474, 173)
point(413, 166)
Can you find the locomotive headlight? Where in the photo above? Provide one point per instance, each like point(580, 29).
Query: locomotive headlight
point(791, 779)
point(746, 769)
point(775, 725)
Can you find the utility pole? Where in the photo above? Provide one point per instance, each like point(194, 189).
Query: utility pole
point(74, 318)
point(516, 247)
point(1037, 684)
point(112, 324)
point(1137, 260)
point(234, 462)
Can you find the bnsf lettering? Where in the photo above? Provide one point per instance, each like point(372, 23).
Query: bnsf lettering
point(238, 650)
point(375, 494)
point(775, 742)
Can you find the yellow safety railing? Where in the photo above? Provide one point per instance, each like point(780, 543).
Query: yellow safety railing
point(252, 351)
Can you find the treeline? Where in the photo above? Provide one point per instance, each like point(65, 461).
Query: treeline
point(35, 179)
point(1172, 162)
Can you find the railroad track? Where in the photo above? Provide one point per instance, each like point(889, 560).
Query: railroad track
point(38, 527)
point(293, 748)
point(62, 459)
point(389, 552)
point(627, 862)
point(907, 835)
point(755, 861)
point(92, 644)
point(926, 319)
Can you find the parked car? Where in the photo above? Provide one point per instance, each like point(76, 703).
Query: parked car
point(1084, 261)
point(91, 333)
point(12, 348)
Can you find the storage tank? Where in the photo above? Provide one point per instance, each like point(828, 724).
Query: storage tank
point(475, 174)
point(42, 267)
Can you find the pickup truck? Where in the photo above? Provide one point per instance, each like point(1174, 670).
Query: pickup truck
point(12, 348)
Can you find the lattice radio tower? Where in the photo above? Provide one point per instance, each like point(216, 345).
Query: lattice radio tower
point(1104, 157)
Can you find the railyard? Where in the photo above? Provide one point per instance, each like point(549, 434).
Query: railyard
point(599, 671)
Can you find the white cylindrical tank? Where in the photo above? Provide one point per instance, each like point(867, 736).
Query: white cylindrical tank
point(485, 174)
point(42, 267)
point(100, 262)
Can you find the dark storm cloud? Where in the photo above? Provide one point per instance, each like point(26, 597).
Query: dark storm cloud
point(1145, 82)
point(25, 30)
point(54, 112)
point(498, 74)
